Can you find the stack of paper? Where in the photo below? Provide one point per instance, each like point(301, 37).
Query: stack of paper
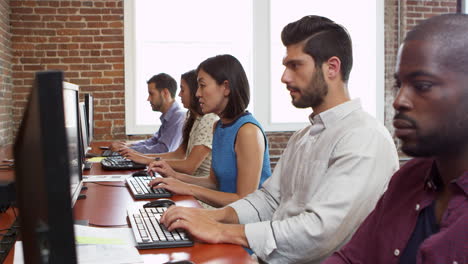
point(99, 245)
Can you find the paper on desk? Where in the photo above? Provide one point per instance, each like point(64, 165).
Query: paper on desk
point(105, 178)
point(96, 159)
point(98, 240)
point(94, 254)
point(98, 235)
point(99, 245)
point(97, 254)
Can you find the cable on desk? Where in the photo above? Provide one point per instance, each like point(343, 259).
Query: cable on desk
point(10, 231)
point(12, 207)
point(7, 234)
point(110, 185)
point(14, 211)
point(123, 225)
point(8, 240)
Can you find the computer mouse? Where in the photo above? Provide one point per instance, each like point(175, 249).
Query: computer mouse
point(179, 262)
point(140, 173)
point(159, 203)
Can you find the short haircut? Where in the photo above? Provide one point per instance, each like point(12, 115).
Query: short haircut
point(228, 68)
point(322, 39)
point(164, 80)
point(449, 33)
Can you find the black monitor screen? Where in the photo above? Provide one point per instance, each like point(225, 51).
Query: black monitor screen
point(89, 102)
point(42, 169)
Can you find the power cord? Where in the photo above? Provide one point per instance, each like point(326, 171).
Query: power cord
point(109, 185)
point(124, 225)
point(8, 239)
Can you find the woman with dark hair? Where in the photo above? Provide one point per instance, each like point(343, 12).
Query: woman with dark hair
point(240, 150)
point(193, 156)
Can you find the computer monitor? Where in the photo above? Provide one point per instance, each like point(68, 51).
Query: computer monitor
point(44, 168)
point(72, 125)
point(83, 136)
point(89, 102)
point(83, 130)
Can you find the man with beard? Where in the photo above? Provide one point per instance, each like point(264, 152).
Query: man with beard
point(161, 95)
point(331, 173)
point(423, 216)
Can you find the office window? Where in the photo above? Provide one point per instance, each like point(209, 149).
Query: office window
point(175, 36)
point(363, 30)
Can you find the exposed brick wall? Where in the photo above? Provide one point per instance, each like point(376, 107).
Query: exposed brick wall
point(277, 142)
point(6, 125)
point(84, 39)
point(416, 11)
point(391, 47)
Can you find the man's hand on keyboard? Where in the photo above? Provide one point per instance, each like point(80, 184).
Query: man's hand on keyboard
point(195, 221)
point(173, 185)
point(161, 167)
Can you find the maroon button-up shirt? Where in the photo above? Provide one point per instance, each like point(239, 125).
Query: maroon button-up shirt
point(383, 236)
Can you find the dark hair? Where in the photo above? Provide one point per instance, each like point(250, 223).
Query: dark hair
point(164, 80)
point(323, 39)
point(190, 78)
point(448, 32)
point(228, 68)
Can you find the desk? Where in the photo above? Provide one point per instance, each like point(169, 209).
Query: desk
point(106, 206)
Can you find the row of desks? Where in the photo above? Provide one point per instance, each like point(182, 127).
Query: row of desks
point(105, 206)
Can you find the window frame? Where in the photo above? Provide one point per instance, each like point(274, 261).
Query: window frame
point(261, 69)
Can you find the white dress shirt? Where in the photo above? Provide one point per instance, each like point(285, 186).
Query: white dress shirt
point(327, 181)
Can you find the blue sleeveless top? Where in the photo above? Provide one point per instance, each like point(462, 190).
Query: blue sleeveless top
point(224, 160)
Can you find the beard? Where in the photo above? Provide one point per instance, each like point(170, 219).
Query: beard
point(313, 95)
point(426, 146)
point(159, 104)
point(444, 139)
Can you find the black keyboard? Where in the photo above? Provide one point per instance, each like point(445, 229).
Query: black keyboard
point(149, 233)
point(140, 190)
point(120, 163)
point(109, 153)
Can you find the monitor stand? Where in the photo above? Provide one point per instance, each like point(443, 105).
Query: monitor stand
point(92, 155)
point(87, 165)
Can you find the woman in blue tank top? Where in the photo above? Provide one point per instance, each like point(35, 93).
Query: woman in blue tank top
point(240, 160)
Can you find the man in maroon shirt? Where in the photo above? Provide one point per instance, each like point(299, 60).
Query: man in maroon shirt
point(423, 216)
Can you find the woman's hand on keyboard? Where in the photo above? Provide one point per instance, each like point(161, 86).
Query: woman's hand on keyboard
point(173, 185)
point(118, 145)
point(135, 156)
point(161, 167)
